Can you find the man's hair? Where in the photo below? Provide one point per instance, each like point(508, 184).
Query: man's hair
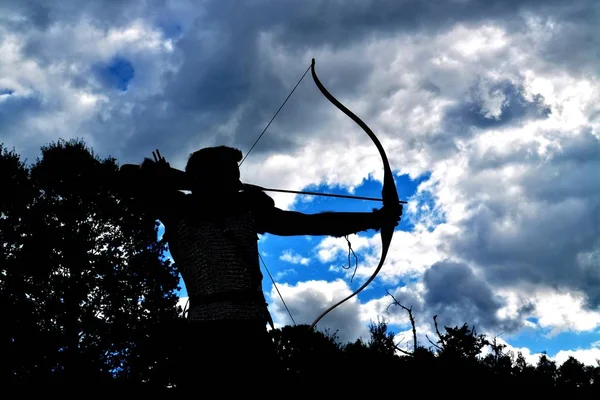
point(212, 157)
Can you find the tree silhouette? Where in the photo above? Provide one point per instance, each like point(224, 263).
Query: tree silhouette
point(306, 355)
point(461, 343)
point(498, 363)
point(89, 295)
point(572, 374)
point(524, 372)
point(19, 336)
point(593, 372)
point(381, 340)
point(545, 372)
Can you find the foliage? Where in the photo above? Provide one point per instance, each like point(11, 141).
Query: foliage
point(85, 287)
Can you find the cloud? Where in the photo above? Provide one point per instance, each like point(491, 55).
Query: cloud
point(64, 82)
point(453, 290)
point(291, 257)
point(183, 302)
point(496, 104)
point(286, 272)
point(564, 311)
point(493, 105)
point(589, 356)
point(306, 300)
point(585, 356)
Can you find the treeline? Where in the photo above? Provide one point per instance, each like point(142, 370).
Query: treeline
point(87, 298)
point(457, 361)
point(85, 293)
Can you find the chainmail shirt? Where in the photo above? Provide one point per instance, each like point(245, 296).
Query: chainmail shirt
point(217, 256)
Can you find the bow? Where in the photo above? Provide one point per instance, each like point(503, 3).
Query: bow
point(389, 192)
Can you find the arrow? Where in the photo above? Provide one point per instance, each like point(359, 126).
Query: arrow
point(343, 196)
point(178, 179)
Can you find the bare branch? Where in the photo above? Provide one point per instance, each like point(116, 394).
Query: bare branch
point(408, 353)
point(437, 330)
point(410, 317)
point(438, 347)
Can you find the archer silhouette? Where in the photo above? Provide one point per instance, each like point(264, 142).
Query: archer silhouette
point(212, 236)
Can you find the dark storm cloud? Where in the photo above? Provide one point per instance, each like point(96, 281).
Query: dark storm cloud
point(218, 81)
point(473, 114)
point(14, 107)
point(41, 14)
point(454, 293)
point(240, 70)
point(223, 75)
point(339, 23)
point(515, 108)
point(457, 295)
point(315, 18)
point(549, 233)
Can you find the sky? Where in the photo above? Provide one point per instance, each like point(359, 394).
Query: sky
point(488, 112)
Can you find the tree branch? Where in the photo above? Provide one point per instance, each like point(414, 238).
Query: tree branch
point(438, 347)
point(410, 317)
point(437, 330)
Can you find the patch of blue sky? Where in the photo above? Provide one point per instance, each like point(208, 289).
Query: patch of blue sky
point(170, 29)
point(539, 340)
point(116, 73)
point(426, 212)
point(161, 232)
point(406, 281)
point(273, 248)
point(182, 292)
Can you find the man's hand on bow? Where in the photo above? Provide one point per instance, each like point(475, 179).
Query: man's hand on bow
point(386, 216)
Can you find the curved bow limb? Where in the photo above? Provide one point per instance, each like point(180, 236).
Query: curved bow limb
point(389, 192)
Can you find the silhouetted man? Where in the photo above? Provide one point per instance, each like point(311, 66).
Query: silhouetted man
point(212, 236)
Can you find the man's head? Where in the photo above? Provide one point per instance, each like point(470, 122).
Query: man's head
point(215, 169)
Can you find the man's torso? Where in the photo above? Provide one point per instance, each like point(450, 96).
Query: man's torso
point(216, 253)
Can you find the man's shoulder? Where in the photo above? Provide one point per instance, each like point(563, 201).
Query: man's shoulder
point(257, 200)
point(174, 199)
point(173, 204)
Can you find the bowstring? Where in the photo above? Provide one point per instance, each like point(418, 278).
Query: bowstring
point(350, 249)
point(277, 112)
point(276, 288)
point(240, 164)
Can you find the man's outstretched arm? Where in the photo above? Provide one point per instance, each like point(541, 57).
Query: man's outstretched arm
point(292, 223)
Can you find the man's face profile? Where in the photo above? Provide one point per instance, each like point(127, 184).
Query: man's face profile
point(215, 171)
point(220, 178)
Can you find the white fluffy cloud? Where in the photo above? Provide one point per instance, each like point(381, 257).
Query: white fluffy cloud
point(293, 258)
point(307, 300)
